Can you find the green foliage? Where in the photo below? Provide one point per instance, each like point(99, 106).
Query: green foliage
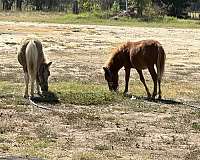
point(86, 6)
point(176, 7)
point(142, 5)
point(115, 7)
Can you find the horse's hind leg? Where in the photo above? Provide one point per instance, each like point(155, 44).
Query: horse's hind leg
point(159, 86)
point(144, 83)
point(37, 84)
point(127, 76)
point(26, 77)
point(33, 78)
point(154, 77)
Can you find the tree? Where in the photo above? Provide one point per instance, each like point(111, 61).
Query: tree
point(141, 5)
point(19, 4)
point(7, 4)
point(106, 4)
point(75, 9)
point(175, 7)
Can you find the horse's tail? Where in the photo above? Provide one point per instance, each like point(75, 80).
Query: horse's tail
point(160, 62)
point(32, 58)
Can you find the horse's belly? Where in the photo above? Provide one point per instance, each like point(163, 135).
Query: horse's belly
point(138, 64)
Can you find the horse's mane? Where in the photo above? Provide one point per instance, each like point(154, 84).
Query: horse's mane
point(115, 52)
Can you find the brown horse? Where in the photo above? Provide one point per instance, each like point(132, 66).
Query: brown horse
point(139, 55)
point(32, 58)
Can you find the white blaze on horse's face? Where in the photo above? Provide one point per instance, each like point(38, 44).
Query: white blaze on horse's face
point(43, 76)
point(112, 79)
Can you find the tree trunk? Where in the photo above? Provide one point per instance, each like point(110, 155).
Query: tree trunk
point(38, 5)
point(75, 8)
point(122, 5)
point(7, 4)
point(19, 5)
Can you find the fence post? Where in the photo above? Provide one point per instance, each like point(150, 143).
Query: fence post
point(126, 5)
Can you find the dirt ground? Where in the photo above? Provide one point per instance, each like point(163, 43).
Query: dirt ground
point(78, 52)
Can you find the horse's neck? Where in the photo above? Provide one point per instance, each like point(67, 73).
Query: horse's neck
point(41, 60)
point(117, 63)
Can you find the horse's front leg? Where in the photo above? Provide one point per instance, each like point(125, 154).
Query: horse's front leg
point(127, 76)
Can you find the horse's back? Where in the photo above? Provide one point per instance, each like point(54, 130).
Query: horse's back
point(22, 51)
point(31, 57)
point(144, 53)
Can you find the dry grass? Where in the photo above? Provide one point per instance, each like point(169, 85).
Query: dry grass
point(90, 122)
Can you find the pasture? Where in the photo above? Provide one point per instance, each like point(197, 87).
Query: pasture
point(90, 122)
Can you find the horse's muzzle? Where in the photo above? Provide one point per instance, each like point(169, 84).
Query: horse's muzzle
point(44, 88)
point(113, 88)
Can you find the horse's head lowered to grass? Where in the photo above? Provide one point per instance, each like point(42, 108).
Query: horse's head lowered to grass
point(111, 78)
point(43, 76)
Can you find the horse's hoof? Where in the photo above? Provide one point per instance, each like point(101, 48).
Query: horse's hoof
point(126, 94)
point(26, 96)
point(40, 94)
point(32, 95)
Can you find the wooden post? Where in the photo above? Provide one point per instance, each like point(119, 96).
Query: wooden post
point(126, 5)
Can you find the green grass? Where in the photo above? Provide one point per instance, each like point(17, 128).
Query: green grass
point(196, 126)
point(11, 94)
point(69, 93)
point(97, 19)
point(84, 94)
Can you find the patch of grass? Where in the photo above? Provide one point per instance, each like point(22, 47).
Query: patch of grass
point(102, 147)
point(196, 126)
point(31, 151)
point(11, 94)
point(4, 148)
point(45, 133)
point(177, 90)
point(87, 156)
point(23, 139)
point(97, 18)
point(81, 119)
point(194, 155)
point(122, 138)
point(32, 147)
point(84, 94)
point(6, 126)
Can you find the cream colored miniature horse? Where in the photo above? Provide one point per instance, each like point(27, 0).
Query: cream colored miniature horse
point(32, 58)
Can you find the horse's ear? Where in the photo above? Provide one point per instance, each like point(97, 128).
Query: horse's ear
point(49, 64)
